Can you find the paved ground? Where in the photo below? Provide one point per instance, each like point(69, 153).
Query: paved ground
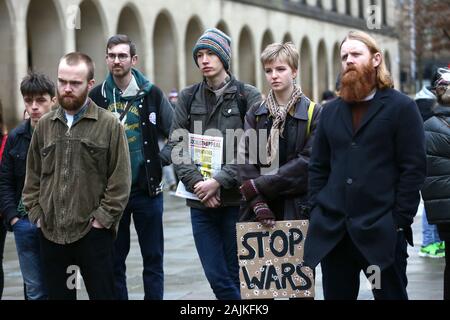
point(184, 277)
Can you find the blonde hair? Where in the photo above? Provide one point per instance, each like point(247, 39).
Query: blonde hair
point(384, 79)
point(285, 52)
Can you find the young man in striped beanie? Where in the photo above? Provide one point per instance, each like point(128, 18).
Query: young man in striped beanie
point(218, 102)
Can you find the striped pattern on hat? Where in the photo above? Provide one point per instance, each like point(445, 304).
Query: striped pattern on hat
point(216, 41)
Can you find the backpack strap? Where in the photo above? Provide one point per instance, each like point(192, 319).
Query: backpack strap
point(130, 104)
point(241, 100)
point(191, 94)
point(310, 115)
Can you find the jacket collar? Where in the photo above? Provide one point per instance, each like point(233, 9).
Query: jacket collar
point(375, 106)
point(300, 113)
point(90, 113)
point(231, 86)
point(24, 128)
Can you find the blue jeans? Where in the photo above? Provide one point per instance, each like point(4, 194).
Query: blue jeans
point(28, 250)
point(215, 238)
point(429, 231)
point(147, 216)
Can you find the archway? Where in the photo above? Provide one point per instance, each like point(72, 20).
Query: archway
point(44, 37)
point(222, 26)
point(387, 59)
point(336, 64)
point(130, 23)
point(165, 53)
point(91, 37)
point(322, 68)
point(266, 40)
point(287, 38)
point(7, 79)
point(193, 31)
point(246, 57)
point(306, 70)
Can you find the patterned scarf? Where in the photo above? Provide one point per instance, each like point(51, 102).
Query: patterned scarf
point(278, 113)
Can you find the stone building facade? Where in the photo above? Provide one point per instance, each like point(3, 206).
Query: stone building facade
point(36, 33)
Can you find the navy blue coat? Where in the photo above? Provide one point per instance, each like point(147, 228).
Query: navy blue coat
point(365, 183)
point(12, 170)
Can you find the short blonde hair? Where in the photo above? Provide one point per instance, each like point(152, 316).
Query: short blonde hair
point(285, 52)
point(384, 79)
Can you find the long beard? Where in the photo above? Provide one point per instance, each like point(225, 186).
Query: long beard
point(73, 104)
point(357, 83)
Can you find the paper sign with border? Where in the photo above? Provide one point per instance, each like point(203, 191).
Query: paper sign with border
point(271, 261)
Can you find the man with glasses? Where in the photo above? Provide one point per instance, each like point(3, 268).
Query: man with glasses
point(146, 114)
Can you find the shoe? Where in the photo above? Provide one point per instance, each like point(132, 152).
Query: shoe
point(432, 251)
point(442, 245)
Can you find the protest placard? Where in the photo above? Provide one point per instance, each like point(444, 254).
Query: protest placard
point(271, 260)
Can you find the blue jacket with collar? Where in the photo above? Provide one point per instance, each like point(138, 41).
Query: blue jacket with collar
point(12, 170)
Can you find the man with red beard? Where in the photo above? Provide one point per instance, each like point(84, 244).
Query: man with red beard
point(77, 185)
point(366, 169)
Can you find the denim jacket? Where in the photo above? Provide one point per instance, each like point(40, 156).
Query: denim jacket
point(12, 171)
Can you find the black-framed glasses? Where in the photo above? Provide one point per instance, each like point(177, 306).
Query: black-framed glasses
point(121, 56)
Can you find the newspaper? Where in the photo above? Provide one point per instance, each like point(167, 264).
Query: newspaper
point(206, 153)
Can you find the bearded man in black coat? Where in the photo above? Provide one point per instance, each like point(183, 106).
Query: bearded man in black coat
point(366, 169)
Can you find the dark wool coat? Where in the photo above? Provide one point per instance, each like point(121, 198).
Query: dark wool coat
point(365, 183)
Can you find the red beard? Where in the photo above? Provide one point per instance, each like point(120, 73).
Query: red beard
point(357, 83)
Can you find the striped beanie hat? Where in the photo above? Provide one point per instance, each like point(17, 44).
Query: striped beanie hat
point(216, 41)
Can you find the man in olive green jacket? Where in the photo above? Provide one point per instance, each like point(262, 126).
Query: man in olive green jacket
point(77, 185)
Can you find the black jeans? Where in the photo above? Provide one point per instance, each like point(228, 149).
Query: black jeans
point(92, 254)
point(341, 269)
point(2, 248)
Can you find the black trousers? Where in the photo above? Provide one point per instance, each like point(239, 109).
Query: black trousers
point(91, 255)
point(341, 270)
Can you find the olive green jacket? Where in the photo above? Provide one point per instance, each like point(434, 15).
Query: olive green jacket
point(77, 174)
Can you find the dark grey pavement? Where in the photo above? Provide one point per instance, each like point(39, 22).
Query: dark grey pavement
point(184, 277)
